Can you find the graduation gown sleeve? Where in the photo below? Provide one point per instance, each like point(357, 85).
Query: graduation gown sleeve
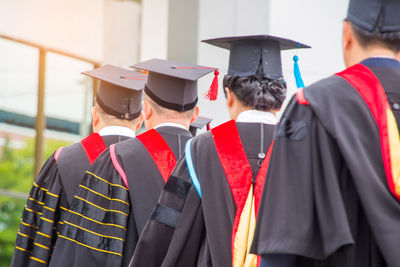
point(95, 227)
point(175, 233)
point(39, 223)
point(302, 210)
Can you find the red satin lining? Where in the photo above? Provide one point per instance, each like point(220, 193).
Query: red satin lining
point(237, 169)
point(368, 86)
point(159, 150)
point(93, 146)
point(300, 97)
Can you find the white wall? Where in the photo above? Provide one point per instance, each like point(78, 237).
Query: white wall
point(121, 32)
point(225, 18)
point(314, 22)
point(78, 27)
point(154, 29)
point(73, 25)
point(183, 25)
point(105, 30)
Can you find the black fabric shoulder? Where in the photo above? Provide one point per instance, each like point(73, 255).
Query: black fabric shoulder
point(334, 101)
point(128, 148)
point(202, 141)
point(72, 164)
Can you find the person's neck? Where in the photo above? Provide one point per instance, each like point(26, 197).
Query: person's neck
point(237, 110)
point(157, 122)
point(372, 52)
point(98, 127)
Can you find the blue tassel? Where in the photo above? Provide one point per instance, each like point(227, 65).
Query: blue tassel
point(297, 74)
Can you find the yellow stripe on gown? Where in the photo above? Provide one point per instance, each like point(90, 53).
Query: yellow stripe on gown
point(394, 146)
point(244, 235)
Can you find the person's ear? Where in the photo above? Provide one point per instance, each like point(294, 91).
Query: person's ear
point(349, 43)
point(195, 114)
point(347, 35)
point(230, 98)
point(96, 119)
point(147, 110)
point(140, 122)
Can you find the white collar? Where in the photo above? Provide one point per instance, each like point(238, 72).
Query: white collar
point(117, 130)
point(257, 116)
point(171, 124)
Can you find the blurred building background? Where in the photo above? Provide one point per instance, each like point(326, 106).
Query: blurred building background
point(124, 32)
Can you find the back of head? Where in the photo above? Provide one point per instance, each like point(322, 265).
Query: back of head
point(166, 114)
point(170, 90)
point(376, 23)
point(118, 101)
point(107, 119)
point(257, 92)
point(255, 69)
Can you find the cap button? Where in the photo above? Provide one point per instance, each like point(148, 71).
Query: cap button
point(396, 106)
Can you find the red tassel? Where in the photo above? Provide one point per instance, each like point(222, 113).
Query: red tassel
point(208, 127)
point(213, 91)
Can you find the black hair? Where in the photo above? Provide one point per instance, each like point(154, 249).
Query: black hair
point(257, 92)
point(389, 40)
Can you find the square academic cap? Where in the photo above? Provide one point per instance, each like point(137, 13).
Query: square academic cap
point(199, 123)
point(120, 91)
point(171, 84)
point(382, 15)
point(248, 52)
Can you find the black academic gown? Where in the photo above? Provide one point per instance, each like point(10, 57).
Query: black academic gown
point(103, 225)
point(52, 192)
point(186, 230)
point(326, 198)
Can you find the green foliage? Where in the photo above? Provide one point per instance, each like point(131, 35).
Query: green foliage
point(10, 214)
point(16, 172)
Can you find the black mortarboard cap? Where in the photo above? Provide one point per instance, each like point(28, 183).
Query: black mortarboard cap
point(370, 15)
point(173, 85)
point(248, 52)
point(120, 91)
point(199, 123)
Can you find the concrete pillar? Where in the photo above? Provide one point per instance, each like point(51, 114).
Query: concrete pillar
point(154, 29)
point(121, 32)
point(183, 30)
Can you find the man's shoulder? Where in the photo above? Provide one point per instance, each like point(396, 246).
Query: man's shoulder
point(333, 89)
point(128, 147)
point(71, 152)
point(72, 148)
point(202, 142)
point(329, 86)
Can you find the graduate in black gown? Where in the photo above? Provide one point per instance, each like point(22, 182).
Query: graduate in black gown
point(332, 192)
point(207, 210)
point(114, 120)
point(104, 223)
